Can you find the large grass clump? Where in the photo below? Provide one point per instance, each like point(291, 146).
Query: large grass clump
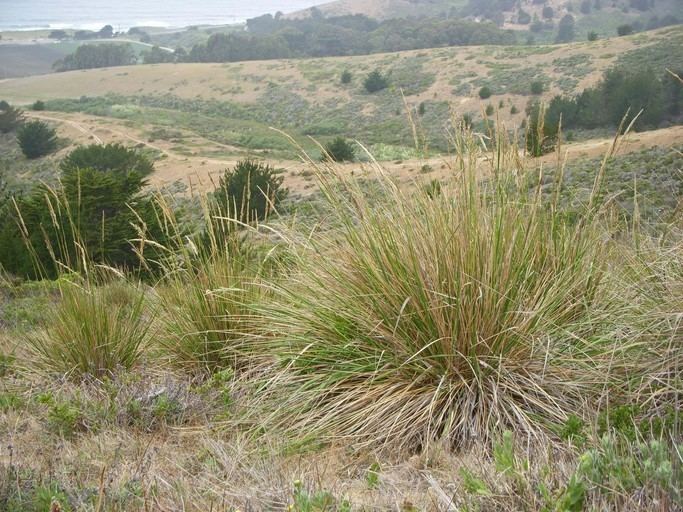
point(445, 315)
point(93, 330)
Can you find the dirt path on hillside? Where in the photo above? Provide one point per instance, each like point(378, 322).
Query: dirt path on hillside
point(199, 173)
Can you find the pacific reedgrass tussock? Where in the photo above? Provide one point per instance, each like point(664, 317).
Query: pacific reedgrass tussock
point(443, 315)
point(207, 292)
point(96, 328)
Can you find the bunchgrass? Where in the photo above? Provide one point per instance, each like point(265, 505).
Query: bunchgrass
point(211, 283)
point(93, 329)
point(448, 315)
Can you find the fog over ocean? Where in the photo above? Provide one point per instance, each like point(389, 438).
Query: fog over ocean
point(123, 14)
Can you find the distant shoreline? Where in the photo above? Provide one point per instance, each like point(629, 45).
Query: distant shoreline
point(94, 27)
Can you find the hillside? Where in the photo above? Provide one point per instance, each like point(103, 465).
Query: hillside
point(235, 105)
point(598, 15)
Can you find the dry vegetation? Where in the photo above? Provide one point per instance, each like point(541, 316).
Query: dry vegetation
point(464, 345)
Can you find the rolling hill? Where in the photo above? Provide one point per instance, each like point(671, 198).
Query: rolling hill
point(603, 16)
point(236, 104)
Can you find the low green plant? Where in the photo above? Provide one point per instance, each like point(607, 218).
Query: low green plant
point(38, 106)
point(372, 477)
point(320, 501)
point(10, 401)
point(65, 418)
point(472, 484)
point(346, 77)
point(485, 93)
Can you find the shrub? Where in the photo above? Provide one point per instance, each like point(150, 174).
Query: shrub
point(408, 324)
point(92, 215)
point(485, 92)
point(38, 105)
point(375, 82)
point(108, 158)
point(566, 29)
point(10, 118)
point(340, 150)
point(421, 109)
point(537, 87)
point(624, 30)
point(346, 77)
point(93, 330)
point(248, 192)
point(489, 109)
point(592, 35)
point(514, 110)
point(36, 139)
point(548, 12)
point(523, 17)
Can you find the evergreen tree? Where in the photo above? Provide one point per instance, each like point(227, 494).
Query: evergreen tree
point(566, 30)
point(339, 150)
point(111, 157)
point(375, 81)
point(36, 139)
point(92, 213)
point(249, 191)
point(10, 118)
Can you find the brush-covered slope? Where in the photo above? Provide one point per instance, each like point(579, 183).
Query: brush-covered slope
point(600, 15)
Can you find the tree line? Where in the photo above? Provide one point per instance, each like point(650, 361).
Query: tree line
point(273, 37)
point(89, 56)
point(655, 99)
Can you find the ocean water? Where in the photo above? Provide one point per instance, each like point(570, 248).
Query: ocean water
point(123, 14)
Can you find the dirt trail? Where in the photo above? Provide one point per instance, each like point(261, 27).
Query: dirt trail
point(199, 172)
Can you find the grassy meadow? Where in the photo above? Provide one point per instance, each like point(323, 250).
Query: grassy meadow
point(505, 338)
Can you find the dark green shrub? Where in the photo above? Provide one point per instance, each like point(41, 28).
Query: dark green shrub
point(537, 87)
point(38, 106)
point(346, 77)
point(548, 12)
point(592, 35)
point(249, 191)
point(523, 17)
point(489, 110)
point(10, 117)
point(375, 82)
point(566, 30)
point(340, 150)
point(421, 109)
point(36, 139)
point(624, 30)
point(96, 211)
point(514, 110)
point(111, 157)
point(485, 92)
